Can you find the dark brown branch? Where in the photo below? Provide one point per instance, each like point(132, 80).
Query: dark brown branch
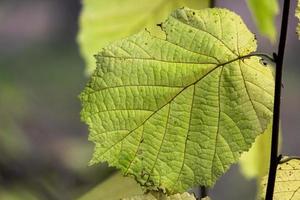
point(276, 109)
point(203, 191)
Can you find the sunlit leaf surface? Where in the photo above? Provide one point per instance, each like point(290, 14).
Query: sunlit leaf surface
point(114, 188)
point(255, 162)
point(264, 13)
point(287, 185)
point(104, 21)
point(177, 110)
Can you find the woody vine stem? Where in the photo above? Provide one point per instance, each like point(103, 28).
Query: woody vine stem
point(275, 158)
point(278, 58)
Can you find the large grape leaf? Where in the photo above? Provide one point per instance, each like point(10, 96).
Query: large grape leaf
point(102, 21)
point(161, 196)
point(264, 13)
point(177, 111)
point(287, 185)
point(298, 16)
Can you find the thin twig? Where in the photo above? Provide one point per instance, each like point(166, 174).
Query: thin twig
point(286, 159)
point(276, 109)
point(267, 56)
point(254, 54)
point(203, 191)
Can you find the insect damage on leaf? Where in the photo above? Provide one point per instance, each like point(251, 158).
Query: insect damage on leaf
point(287, 185)
point(177, 112)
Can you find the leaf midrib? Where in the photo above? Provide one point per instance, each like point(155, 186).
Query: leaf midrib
point(175, 62)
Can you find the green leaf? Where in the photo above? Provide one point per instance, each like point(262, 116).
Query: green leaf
point(114, 188)
point(102, 21)
point(161, 196)
point(255, 162)
point(298, 16)
point(264, 13)
point(287, 185)
point(176, 112)
point(18, 193)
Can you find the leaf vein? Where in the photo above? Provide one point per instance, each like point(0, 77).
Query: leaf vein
point(206, 32)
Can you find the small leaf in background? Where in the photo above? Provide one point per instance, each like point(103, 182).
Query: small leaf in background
point(264, 13)
point(255, 162)
point(102, 21)
point(177, 111)
point(160, 196)
point(287, 185)
point(14, 144)
point(18, 193)
point(114, 188)
point(298, 16)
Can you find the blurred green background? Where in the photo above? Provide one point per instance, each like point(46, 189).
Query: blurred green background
point(44, 151)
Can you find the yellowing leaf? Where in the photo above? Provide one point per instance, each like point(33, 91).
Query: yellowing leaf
point(103, 21)
point(264, 13)
point(176, 112)
point(255, 162)
point(160, 196)
point(114, 188)
point(298, 16)
point(287, 185)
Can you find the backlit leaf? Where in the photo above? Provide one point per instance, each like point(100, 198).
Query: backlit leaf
point(114, 188)
point(177, 111)
point(264, 13)
point(287, 185)
point(104, 21)
point(255, 162)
